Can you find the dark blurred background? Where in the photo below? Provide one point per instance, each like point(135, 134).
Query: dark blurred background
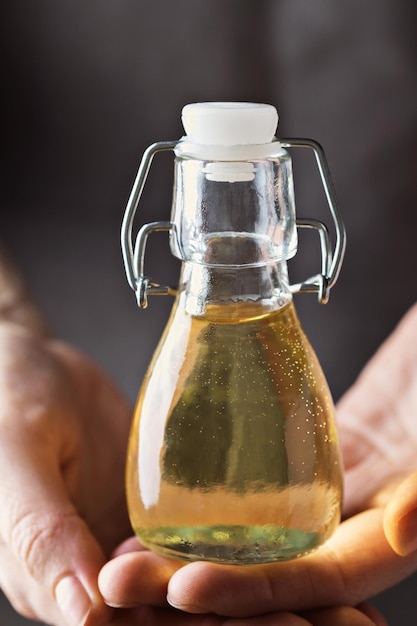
point(87, 85)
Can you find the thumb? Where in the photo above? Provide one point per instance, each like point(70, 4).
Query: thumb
point(400, 517)
point(53, 557)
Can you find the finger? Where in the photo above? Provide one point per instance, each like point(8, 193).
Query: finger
point(48, 540)
point(355, 564)
point(168, 617)
point(400, 518)
point(345, 616)
point(376, 617)
point(129, 545)
point(136, 578)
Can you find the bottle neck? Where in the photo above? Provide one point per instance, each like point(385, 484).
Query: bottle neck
point(234, 213)
point(230, 292)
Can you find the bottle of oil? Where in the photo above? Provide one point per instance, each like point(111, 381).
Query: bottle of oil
point(233, 454)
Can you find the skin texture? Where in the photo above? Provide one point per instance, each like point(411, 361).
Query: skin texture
point(63, 430)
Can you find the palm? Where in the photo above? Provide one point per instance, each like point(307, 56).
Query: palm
point(377, 420)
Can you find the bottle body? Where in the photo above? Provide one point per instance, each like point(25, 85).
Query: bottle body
point(233, 454)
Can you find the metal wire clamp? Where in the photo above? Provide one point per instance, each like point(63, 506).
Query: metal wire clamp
point(133, 256)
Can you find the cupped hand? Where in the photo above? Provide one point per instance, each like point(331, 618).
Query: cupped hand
point(136, 577)
point(378, 429)
point(353, 565)
point(139, 578)
point(63, 434)
point(379, 446)
point(363, 558)
point(377, 421)
point(336, 616)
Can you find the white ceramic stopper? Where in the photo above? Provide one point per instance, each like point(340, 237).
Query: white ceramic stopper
point(229, 123)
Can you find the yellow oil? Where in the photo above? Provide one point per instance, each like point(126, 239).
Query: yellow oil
point(233, 454)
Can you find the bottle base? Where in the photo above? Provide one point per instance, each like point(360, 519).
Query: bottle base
point(231, 545)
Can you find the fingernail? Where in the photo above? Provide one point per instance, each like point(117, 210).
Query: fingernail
point(73, 600)
point(188, 608)
point(407, 528)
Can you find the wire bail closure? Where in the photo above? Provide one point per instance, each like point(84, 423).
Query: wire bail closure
point(134, 256)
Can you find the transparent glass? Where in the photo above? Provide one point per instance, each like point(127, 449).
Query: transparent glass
point(250, 200)
point(233, 454)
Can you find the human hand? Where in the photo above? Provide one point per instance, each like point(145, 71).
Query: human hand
point(379, 436)
point(379, 444)
point(63, 435)
point(139, 578)
point(338, 616)
point(324, 588)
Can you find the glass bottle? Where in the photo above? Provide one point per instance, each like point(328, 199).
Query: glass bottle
point(233, 455)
